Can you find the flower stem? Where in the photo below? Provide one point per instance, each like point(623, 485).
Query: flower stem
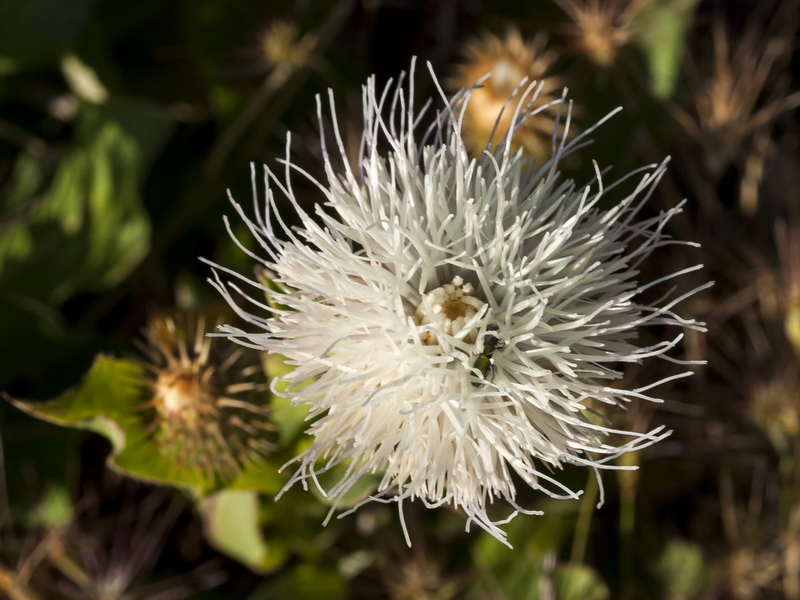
point(584, 524)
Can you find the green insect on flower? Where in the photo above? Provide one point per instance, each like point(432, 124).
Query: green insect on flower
point(484, 363)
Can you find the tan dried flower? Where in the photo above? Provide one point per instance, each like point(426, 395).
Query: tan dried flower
point(734, 101)
point(207, 397)
point(282, 45)
point(749, 573)
point(490, 113)
point(601, 28)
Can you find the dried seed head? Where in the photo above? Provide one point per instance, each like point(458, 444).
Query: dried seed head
point(208, 398)
point(282, 45)
point(736, 96)
point(601, 28)
point(750, 573)
point(490, 112)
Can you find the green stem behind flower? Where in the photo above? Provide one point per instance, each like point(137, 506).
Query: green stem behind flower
point(584, 524)
point(628, 481)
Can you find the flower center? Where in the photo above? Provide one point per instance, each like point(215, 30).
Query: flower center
point(505, 77)
point(449, 308)
point(182, 397)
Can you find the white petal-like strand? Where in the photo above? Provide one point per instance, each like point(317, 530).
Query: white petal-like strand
point(448, 318)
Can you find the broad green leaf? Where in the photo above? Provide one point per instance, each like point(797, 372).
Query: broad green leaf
point(579, 582)
point(261, 476)
point(109, 402)
point(662, 29)
point(88, 228)
point(232, 524)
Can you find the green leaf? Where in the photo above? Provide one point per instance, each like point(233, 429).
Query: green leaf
point(231, 520)
point(291, 422)
point(362, 488)
point(662, 25)
point(290, 419)
point(260, 476)
point(109, 402)
point(114, 400)
point(88, 229)
point(54, 509)
point(579, 582)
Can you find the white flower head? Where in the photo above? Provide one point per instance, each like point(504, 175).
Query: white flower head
point(451, 317)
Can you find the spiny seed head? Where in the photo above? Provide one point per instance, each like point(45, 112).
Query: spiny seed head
point(208, 402)
point(601, 28)
point(736, 95)
point(508, 61)
point(282, 45)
